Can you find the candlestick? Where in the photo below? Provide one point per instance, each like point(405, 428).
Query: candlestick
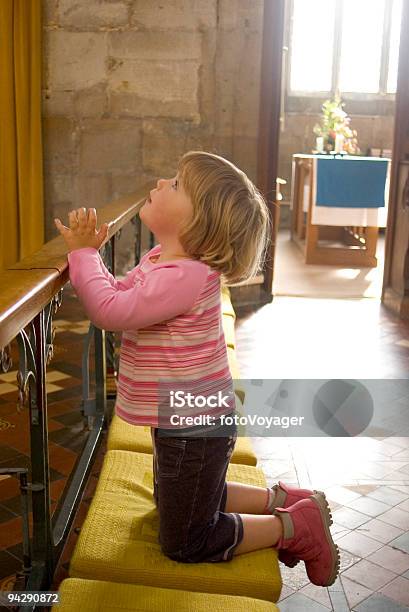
point(339, 143)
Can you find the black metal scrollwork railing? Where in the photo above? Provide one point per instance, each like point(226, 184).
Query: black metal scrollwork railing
point(31, 293)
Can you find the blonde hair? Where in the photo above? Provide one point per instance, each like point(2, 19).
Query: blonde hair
point(230, 228)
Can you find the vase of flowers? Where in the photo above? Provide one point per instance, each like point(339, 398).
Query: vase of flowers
point(335, 121)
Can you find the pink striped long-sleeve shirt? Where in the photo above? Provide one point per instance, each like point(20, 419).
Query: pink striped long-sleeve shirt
point(170, 316)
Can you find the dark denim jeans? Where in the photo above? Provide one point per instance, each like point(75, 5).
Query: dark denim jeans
point(190, 493)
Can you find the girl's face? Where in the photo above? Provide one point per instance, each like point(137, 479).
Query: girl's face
point(167, 209)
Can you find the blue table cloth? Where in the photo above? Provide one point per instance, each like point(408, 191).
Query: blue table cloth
point(351, 182)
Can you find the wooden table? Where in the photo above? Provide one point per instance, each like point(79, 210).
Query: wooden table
point(358, 244)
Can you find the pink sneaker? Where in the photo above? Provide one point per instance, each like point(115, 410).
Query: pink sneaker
point(306, 536)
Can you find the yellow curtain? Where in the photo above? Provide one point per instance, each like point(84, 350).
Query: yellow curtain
point(21, 163)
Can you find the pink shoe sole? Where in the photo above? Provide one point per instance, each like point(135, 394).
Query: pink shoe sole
point(321, 501)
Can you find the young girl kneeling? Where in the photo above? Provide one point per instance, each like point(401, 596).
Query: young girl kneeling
point(211, 224)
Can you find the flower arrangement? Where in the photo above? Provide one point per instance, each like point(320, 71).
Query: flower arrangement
point(336, 121)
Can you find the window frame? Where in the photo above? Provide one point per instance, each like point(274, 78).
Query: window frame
point(374, 99)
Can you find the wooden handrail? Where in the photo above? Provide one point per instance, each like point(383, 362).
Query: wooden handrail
point(30, 295)
point(29, 285)
point(24, 293)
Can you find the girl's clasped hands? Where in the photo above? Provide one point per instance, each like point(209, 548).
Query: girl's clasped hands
point(82, 231)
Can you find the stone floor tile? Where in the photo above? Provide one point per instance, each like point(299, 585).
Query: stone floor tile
point(9, 563)
point(7, 388)
point(270, 448)
point(397, 517)
point(338, 530)
point(358, 544)
point(380, 469)
point(339, 601)
point(54, 375)
point(354, 592)
point(403, 442)
point(333, 505)
point(295, 577)
point(369, 574)
point(397, 477)
point(404, 468)
point(404, 505)
point(388, 495)
point(401, 488)
point(349, 518)
point(347, 560)
point(274, 467)
point(370, 481)
point(379, 603)
point(394, 560)
point(318, 594)
point(372, 507)
point(378, 530)
point(289, 477)
point(270, 480)
point(301, 603)
point(341, 495)
point(341, 534)
point(388, 448)
point(402, 542)
point(286, 591)
point(398, 590)
point(336, 585)
point(361, 489)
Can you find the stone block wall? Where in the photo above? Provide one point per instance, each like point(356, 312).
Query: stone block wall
point(130, 85)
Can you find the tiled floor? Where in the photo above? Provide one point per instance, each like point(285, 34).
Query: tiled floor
point(293, 277)
point(366, 479)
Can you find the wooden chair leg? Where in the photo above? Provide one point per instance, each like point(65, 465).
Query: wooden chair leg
point(311, 231)
point(294, 198)
point(371, 238)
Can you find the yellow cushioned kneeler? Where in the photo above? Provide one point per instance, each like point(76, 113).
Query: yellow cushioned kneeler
point(95, 595)
point(123, 436)
point(119, 538)
point(227, 307)
point(235, 373)
point(228, 329)
point(228, 319)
